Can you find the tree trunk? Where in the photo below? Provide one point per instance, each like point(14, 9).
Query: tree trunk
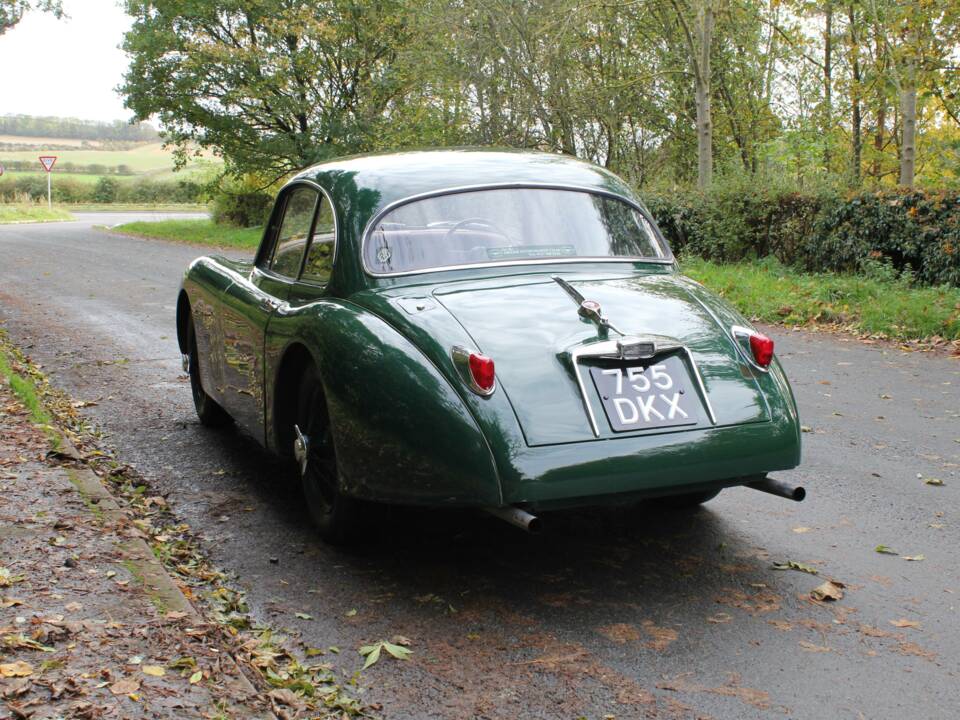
point(705, 22)
point(856, 120)
point(827, 83)
point(908, 144)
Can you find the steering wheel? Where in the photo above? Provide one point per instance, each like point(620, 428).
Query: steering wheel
point(474, 221)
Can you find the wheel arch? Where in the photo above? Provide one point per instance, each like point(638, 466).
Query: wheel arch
point(296, 358)
point(183, 321)
point(402, 432)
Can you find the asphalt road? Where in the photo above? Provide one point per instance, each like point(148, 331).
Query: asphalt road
point(629, 613)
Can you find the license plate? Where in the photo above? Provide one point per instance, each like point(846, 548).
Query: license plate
point(639, 397)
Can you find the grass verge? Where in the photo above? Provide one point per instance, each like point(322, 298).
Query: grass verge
point(26, 391)
point(880, 305)
point(28, 212)
point(196, 232)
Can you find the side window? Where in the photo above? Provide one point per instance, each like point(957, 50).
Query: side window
point(320, 255)
point(294, 228)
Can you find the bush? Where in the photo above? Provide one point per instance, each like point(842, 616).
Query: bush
point(241, 208)
point(105, 190)
point(910, 232)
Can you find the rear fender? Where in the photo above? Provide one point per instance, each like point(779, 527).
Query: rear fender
point(402, 434)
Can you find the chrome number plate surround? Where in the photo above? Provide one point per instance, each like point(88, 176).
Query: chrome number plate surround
point(618, 349)
point(647, 395)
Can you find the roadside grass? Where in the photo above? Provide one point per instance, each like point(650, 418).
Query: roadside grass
point(26, 391)
point(195, 232)
point(881, 305)
point(31, 212)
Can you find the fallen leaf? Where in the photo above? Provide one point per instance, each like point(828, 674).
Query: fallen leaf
point(791, 565)
point(401, 640)
point(398, 651)
point(73, 607)
point(934, 481)
point(304, 616)
point(16, 669)
point(351, 613)
point(720, 618)
point(372, 653)
point(125, 686)
point(286, 697)
point(883, 549)
point(913, 557)
point(154, 670)
point(801, 529)
point(904, 623)
point(810, 647)
point(830, 590)
point(196, 677)
point(806, 428)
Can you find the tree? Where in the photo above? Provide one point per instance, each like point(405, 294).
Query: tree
point(697, 23)
point(11, 11)
point(271, 85)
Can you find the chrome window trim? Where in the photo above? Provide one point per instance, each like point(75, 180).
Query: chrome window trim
point(313, 227)
point(667, 259)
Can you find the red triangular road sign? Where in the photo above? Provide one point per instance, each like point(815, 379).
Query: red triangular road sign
point(47, 161)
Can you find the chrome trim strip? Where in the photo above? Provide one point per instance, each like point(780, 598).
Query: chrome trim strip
point(666, 259)
point(609, 349)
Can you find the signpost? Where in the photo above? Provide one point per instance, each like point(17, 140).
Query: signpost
point(47, 161)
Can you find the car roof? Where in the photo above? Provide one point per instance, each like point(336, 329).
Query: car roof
point(362, 185)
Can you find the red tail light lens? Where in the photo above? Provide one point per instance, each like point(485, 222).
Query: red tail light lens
point(762, 348)
point(481, 368)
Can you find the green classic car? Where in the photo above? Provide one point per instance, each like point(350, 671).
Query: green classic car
point(475, 328)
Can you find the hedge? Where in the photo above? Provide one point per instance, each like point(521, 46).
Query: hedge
point(70, 190)
point(912, 232)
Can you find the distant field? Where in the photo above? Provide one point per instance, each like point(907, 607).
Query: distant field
point(143, 159)
point(26, 140)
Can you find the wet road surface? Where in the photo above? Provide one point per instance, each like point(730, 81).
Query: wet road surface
point(632, 613)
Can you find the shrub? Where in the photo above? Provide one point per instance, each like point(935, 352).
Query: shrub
point(241, 208)
point(105, 190)
point(910, 232)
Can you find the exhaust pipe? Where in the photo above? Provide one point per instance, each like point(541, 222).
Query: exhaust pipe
point(779, 488)
point(516, 517)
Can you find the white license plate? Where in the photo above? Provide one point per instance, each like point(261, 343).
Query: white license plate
point(639, 397)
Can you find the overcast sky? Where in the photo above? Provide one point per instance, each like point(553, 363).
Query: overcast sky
point(67, 68)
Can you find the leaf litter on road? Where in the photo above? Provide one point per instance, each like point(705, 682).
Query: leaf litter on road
point(793, 565)
point(884, 550)
point(831, 590)
point(372, 652)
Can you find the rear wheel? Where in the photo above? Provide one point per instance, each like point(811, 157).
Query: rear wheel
point(333, 513)
point(689, 500)
point(209, 412)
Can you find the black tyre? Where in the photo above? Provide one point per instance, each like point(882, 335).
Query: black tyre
point(209, 412)
point(689, 500)
point(334, 514)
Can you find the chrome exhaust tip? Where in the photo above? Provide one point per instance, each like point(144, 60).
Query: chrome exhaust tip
point(517, 517)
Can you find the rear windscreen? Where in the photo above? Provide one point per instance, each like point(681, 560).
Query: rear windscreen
point(507, 226)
